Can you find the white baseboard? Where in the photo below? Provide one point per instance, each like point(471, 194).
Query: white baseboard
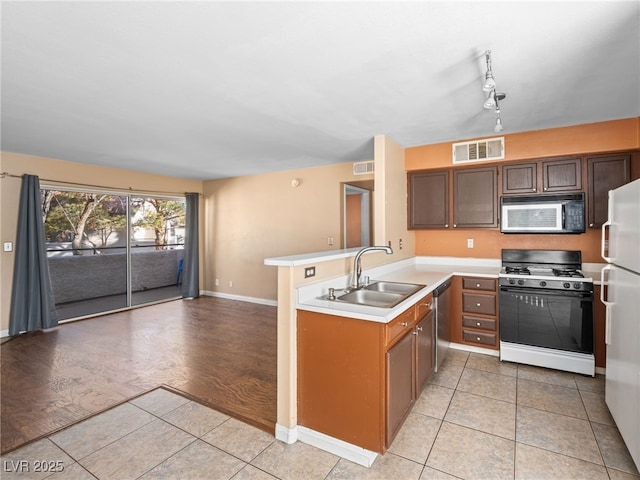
point(338, 447)
point(286, 435)
point(4, 333)
point(351, 452)
point(241, 298)
point(473, 349)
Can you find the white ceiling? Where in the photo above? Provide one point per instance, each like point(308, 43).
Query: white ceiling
point(218, 89)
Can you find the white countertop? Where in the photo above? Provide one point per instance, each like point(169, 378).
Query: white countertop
point(309, 258)
point(418, 270)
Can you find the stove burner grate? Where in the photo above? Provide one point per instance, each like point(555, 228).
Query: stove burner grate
point(567, 272)
point(517, 270)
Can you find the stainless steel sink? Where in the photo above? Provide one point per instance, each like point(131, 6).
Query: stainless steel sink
point(394, 287)
point(378, 294)
point(372, 298)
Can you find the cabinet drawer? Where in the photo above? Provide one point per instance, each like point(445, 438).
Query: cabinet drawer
point(479, 284)
point(479, 337)
point(478, 303)
point(424, 306)
point(477, 322)
point(401, 324)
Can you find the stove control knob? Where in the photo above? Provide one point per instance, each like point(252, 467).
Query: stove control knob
point(520, 282)
point(543, 283)
point(577, 285)
point(566, 285)
point(512, 281)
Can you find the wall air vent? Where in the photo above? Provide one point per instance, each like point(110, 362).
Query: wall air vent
point(363, 168)
point(478, 150)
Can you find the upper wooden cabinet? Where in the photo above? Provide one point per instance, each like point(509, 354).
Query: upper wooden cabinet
point(520, 178)
point(428, 199)
point(475, 197)
point(544, 176)
point(604, 174)
point(474, 192)
point(561, 175)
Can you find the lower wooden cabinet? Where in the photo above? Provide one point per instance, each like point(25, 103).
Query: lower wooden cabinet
point(400, 384)
point(474, 317)
point(357, 379)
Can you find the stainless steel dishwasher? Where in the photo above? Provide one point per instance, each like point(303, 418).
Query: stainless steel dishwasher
point(442, 300)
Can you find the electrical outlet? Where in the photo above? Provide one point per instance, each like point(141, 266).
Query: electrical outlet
point(400, 244)
point(469, 242)
point(230, 283)
point(309, 272)
point(329, 240)
point(7, 246)
point(217, 281)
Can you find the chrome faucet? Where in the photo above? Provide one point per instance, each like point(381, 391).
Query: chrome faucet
point(357, 267)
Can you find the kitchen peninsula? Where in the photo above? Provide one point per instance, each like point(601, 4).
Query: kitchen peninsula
point(362, 346)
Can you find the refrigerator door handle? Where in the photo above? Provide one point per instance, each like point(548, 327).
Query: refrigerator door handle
point(607, 304)
point(604, 247)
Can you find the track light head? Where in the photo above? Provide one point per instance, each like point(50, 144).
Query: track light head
point(494, 98)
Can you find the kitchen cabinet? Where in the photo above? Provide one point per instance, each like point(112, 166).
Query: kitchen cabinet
point(400, 384)
point(358, 379)
point(475, 197)
point(428, 199)
point(604, 174)
point(475, 316)
point(563, 175)
point(520, 178)
point(544, 176)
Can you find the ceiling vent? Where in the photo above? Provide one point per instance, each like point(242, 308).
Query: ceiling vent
point(479, 150)
point(363, 168)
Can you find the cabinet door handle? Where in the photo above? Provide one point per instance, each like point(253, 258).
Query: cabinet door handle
point(478, 339)
point(428, 305)
point(478, 323)
point(419, 329)
point(477, 285)
point(477, 304)
point(405, 324)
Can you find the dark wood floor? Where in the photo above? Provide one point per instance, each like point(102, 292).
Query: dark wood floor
point(219, 352)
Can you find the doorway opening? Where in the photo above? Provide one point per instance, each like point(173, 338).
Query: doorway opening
point(357, 214)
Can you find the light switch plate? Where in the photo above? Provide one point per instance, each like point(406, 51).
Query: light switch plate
point(7, 246)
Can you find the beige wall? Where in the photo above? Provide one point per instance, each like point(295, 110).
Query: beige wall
point(50, 170)
point(389, 225)
point(391, 198)
point(248, 219)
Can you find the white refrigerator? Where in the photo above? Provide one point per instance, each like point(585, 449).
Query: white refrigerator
point(620, 292)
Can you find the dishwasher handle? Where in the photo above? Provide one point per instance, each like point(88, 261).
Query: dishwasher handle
point(443, 287)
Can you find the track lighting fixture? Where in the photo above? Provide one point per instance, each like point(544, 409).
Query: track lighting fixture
point(498, 128)
point(493, 98)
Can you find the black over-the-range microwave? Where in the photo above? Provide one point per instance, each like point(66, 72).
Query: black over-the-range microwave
point(563, 213)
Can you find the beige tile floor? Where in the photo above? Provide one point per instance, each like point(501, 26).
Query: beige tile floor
point(476, 419)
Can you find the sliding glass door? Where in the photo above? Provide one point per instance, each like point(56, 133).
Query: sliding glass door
point(109, 251)
point(157, 245)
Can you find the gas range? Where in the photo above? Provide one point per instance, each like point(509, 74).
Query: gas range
point(548, 269)
point(546, 310)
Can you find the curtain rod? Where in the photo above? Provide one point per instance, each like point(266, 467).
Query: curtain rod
point(117, 189)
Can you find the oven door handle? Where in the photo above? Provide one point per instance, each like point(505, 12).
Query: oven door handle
point(607, 305)
point(549, 293)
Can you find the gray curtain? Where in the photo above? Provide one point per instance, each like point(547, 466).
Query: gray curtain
point(32, 304)
point(191, 262)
